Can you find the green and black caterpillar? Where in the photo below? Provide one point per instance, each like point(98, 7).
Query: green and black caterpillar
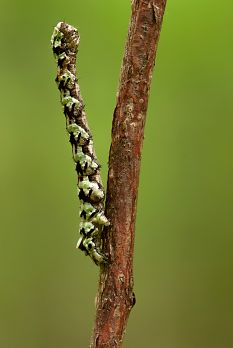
point(65, 41)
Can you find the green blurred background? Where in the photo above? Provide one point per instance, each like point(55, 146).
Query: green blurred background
point(184, 239)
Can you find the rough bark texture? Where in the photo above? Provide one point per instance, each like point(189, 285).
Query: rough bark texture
point(115, 298)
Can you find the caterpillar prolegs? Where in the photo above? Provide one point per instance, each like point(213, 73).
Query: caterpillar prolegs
point(65, 41)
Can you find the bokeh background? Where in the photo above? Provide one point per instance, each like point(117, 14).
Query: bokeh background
point(184, 235)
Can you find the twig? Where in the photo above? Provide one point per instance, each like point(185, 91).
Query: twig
point(65, 41)
point(115, 297)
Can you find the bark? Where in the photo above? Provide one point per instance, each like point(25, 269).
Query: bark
point(115, 297)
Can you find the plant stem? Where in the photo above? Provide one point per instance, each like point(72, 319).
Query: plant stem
point(115, 297)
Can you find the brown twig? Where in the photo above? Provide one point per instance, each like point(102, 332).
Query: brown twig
point(115, 296)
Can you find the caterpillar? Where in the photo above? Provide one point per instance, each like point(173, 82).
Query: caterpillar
point(65, 41)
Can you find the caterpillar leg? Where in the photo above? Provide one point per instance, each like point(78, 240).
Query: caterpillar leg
point(88, 246)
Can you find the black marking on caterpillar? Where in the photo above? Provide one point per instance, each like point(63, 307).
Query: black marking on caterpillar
point(65, 41)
